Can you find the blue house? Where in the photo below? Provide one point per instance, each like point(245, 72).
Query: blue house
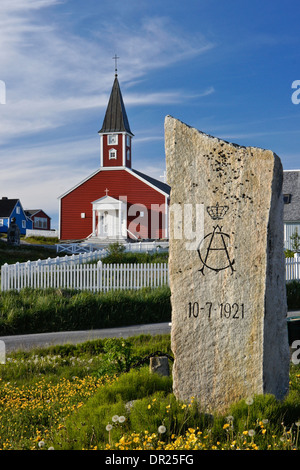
point(13, 208)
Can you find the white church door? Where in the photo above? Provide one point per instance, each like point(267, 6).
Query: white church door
point(108, 224)
point(109, 218)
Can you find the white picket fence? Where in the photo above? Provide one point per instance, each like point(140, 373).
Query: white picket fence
point(292, 268)
point(94, 277)
point(75, 272)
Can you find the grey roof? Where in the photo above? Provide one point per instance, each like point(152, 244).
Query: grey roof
point(159, 184)
point(7, 206)
point(30, 212)
point(291, 185)
point(115, 119)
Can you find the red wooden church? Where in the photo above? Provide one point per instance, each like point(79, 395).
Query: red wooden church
point(116, 202)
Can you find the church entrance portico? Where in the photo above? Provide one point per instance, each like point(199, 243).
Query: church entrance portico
point(109, 219)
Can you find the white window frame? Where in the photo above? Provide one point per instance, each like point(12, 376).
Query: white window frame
point(40, 223)
point(113, 154)
point(23, 223)
point(114, 138)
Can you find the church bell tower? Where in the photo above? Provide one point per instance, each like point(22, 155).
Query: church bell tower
point(115, 134)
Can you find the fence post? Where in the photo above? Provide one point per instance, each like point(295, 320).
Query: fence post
point(99, 276)
point(297, 265)
point(4, 277)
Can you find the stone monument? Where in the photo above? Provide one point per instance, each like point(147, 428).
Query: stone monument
point(13, 233)
point(229, 330)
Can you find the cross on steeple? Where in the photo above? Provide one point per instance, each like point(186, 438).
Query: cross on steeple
point(115, 58)
point(106, 191)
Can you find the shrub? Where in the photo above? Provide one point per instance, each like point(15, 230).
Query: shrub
point(293, 294)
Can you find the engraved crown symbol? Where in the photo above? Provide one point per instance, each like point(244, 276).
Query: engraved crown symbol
point(217, 212)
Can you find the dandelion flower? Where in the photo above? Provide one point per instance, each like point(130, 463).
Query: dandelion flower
point(115, 418)
point(251, 432)
point(162, 429)
point(122, 419)
point(41, 444)
point(249, 401)
point(109, 427)
point(229, 418)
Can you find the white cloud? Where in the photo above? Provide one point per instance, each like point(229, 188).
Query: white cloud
point(53, 73)
point(49, 71)
point(159, 43)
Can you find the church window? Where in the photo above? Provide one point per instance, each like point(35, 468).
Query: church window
point(113, 154)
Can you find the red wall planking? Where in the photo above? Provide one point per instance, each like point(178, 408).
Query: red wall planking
point(119, 183)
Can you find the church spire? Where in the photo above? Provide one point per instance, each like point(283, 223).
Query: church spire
point(115, 119)
point(115, 134)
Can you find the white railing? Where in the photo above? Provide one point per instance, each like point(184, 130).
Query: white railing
point(292, 268)
point(41, 233)
point(146, 246)
point(93, 277)
point(74, 248)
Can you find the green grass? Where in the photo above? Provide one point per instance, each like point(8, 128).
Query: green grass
point(136, 258)
point(23, 253)
point(54, 397)
point(38, 311)
point(39, 240)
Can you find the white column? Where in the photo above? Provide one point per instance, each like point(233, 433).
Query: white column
point(98, 228)
point(120, 221)
point(94, 221)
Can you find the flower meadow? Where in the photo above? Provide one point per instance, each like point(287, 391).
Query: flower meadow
point(63, 398)
point(31, 414)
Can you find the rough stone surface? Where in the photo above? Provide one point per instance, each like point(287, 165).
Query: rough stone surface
point(13, 233)
point(229, 329)
point(159, 365)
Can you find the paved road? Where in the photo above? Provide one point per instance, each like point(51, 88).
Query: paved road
point(27, 342)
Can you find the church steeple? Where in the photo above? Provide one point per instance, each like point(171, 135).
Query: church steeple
point(115, 133)
point(116, 119)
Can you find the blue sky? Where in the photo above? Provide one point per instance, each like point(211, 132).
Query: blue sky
point(224, 67)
